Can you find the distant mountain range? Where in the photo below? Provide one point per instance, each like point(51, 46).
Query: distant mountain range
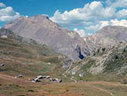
point(108, 59)
point(44, 31)
point(108, 36)
point(23, 60)
point(102, 54)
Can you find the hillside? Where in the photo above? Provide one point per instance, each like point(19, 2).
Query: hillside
point(24, 56)
point(104, 62)
point(28, 57)
point(19, 87)
point(108, 59)
point(108, 37)
point(23, 45)
point(44, 31)
point(111, 35)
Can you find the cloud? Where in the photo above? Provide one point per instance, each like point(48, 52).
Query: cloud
point(119, 3)
point(93, 16)
point(7, 13)
point(117, 22)
point(94, 11)
point(121, 13)
point(2, 5)
point(98, 26)
point(113, 22)
point(80, 32)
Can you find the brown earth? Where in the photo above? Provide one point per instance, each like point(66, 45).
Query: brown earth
point(10, 86)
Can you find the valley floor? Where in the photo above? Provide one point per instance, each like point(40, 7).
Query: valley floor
point(10, 86)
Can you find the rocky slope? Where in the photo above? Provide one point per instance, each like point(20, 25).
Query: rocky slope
point(44, 31)
point(107, 37)
point(108, 56)
point(111, 35)
point(103, 64)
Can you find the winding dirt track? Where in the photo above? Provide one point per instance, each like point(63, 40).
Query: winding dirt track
point(104, 90)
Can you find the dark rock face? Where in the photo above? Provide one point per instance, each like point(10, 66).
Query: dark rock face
point(80, 55)
point(44, 31)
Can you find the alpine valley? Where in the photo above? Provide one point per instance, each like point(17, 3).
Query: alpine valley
point(40, 58)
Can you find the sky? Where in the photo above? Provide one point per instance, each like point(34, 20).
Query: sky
point(83, 16)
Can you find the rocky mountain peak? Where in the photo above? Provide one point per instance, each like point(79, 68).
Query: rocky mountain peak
point(44, 31)
point(111, 35)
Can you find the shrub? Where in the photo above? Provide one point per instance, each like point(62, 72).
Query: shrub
point(103, 49)
point(116, 57)
point(30, 90)
point(124, 81)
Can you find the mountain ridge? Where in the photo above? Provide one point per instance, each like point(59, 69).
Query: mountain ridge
point(108, 36)
point(44, 31)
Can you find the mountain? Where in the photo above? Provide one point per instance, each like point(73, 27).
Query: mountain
point(108, 64)
point(107, 37)
point(20, 56)
point(23, 56)
point(44, 31)
point(108, 59)
point(20, 45)
point(111, 35)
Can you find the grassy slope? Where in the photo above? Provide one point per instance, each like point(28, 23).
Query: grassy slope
point(29, 59)
point(19, 87)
